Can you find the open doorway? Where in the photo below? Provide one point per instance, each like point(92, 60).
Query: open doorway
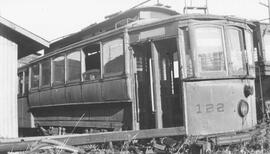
point(142, 53)
point(167, 75)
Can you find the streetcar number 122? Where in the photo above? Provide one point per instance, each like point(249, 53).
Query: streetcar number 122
point(208, 108)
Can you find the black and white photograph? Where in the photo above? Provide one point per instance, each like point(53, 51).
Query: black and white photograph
point(135, 77)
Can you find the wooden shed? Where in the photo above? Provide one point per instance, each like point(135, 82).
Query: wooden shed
point(15, 42)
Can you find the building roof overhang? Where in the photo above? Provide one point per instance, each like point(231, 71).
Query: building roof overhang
point(28, 42)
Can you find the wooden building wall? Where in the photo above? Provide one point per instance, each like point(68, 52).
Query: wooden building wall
point(8, 89)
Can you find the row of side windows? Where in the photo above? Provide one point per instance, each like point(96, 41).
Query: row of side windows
point(79, 65)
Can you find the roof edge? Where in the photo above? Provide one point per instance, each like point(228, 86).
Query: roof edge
point(24, 32)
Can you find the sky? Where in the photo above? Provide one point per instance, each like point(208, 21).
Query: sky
point(51, 19)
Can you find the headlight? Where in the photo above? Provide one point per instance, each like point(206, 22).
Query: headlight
point(243, 108)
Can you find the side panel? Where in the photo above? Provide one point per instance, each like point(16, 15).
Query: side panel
point(91, 92)
point(115, 90)
point(34, 99)
point(24, 116)
point(74, 94)
point(212, 106)
point(263, 90)
point(45, 97)
point(58, 96)
point(113, 116)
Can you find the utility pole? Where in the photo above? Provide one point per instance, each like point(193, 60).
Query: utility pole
point(268, 6)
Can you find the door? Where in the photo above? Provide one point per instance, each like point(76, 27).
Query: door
point(142, 53)
point(158, 84)
point(169, 82)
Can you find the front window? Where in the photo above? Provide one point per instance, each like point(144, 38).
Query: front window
point(188, 54)
point(234, 41)
point(249, 47)
point(267, 46)
point(208, 44)
point(250, 52)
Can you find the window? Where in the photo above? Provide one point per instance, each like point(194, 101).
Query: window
point(46, 72)
point(26, 81)
point(113, 52)
point(35, 76)
point(175, 65)
point(188, 56)
point(235, 49)
point(267, 46)
point(250, 52)
point(208, 44)
point(74, 66)
point(59, 70)
point(20, 83)
point(163, 69)
point(23, 78)
point(92, 62)
point(249, 47)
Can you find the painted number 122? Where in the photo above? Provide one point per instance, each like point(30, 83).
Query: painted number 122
point(209, 108)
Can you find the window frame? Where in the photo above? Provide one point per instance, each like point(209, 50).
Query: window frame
point(252, 71)
point(83, 62)
point(210, 74)
point(20, 90)
point(26, 88)
point(79, 50)
point(112, 74)
point(53, 73)
point(242, 46)
point(41, 73)
point(186, 35)
point(30, 76)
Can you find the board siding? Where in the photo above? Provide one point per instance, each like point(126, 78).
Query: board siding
point(8, 95)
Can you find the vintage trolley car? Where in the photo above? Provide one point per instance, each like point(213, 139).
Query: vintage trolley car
point(148, 67)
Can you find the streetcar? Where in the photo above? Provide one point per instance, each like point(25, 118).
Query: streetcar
point(146, 68)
